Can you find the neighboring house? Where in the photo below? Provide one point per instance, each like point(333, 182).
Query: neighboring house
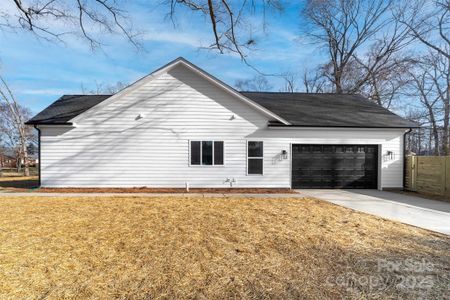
point(181, 126)
point(33, 160)
point(7, 161)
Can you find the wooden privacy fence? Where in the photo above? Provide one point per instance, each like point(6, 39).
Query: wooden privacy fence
point(428, 174)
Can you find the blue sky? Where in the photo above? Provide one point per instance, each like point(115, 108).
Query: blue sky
point(40, 71)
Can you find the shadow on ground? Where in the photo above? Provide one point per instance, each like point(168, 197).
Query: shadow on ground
point(16, 183)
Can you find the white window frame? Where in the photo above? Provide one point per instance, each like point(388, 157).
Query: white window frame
point(201, 165)
point(255, 157)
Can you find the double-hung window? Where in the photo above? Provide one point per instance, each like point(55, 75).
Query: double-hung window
point(207, 153)
point(255, 158)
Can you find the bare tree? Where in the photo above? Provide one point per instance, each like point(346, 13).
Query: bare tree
point(12, 119)
point(55, 19)
point(362, 39)
point(315, 81)
point(417, 138)
point(258, 83)
point(290, 82)
point(228, 20)
point(422, 84)
point(343, 27)
point(439, 76)
point(381, 82)
point(92, 18)
point(429, 22)
point(104, 89)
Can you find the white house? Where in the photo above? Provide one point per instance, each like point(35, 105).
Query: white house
point(180, 125)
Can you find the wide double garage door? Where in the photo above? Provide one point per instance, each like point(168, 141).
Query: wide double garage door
point(334, 166)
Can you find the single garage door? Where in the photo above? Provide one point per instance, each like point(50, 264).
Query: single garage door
point(334, 166)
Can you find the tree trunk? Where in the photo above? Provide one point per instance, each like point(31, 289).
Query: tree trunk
point(337, 82)
point(445, 137)
point(18, 164)
point(420, 141)
point(434, 132)
point(430, 141)
point(445, 129)
point(24, 151)
point(436, 141)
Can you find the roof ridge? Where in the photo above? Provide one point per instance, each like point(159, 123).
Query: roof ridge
point(266, 92)
point(88, 95)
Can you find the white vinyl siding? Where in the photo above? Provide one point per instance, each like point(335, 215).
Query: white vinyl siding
point(111, 147)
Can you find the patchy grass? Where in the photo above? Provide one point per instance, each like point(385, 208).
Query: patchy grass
point(12, 172)
point(211, 248)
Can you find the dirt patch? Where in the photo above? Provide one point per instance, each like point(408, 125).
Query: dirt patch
point(187, 247)
point(24, 184)
point(168, 190)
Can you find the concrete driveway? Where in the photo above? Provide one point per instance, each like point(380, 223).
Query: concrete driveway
point(429, 214)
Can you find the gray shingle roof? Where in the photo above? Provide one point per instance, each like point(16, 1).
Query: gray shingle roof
point(299, 109)
point(328, 110)
point(65, 108)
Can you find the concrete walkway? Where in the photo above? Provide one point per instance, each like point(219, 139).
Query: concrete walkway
point(425, 213)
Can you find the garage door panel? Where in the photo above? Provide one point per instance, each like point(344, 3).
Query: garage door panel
point(334, 166)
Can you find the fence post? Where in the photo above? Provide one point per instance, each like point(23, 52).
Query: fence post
point(443, 174)
point(414, 170)
point(447, 175)
point(410, 172)
point(407, 178)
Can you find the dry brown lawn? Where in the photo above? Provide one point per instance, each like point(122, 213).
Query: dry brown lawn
point(210, 248)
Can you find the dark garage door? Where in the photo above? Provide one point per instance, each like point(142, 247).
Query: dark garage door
point(334, 166)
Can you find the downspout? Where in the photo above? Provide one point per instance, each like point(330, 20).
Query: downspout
point(39, 155)
point(404, 156)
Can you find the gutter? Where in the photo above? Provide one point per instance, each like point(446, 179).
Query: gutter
point(404, 155)
point(338, 126)
point(39, 154)
point(48, 123)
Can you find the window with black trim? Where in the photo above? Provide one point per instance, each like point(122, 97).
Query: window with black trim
point(255, 158)
point(207, 153)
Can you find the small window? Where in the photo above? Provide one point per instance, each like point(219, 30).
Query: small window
point(206, 153)
point(255, 158)
point(195, 153)
point(218, 153)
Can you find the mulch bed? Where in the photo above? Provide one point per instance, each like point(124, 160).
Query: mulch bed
point(169, 190)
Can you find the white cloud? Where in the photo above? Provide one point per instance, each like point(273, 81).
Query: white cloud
point(195, 40)
point(48, 92)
